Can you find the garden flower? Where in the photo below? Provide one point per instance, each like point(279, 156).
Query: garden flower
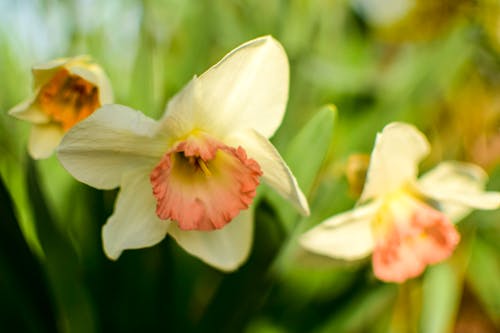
point(406, 223)
point(66, 91)
point(194, 173)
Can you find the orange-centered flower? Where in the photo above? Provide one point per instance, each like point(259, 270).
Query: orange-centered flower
point(66, 92)
point(406, 223)
point(194, 173)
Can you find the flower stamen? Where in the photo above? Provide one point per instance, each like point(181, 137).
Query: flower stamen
point(203, 167)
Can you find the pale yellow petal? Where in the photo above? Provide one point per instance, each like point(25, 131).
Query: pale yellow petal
point(458, 187)
point(276, 172)
point(226, 248)
point(345, 236)
point(28, 110)
point(95, 75)
point(43, 72)
point(113, 140)
point(44, 139)
point(248, 88)
point(134, 223)
point(394, 160)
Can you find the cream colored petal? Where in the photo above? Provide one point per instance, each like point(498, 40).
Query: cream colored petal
point(276, 172)
point(483, 200)
point(94, 74)
point(248, 88)
point(394, 159)
point(225, 249)
point(111, 141)
point(28, 110)
point(51, 64)
point(42, 73)
point(458, 187)
point(134, 223)
point(181, 116)
point(345, 236)
point(43, 140)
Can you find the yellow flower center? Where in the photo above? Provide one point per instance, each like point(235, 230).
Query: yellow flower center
point(396, 207)
point(68, 98)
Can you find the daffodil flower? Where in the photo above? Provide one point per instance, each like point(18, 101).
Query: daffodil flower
point(194, 173)
point(66, 91)
point(407, 223)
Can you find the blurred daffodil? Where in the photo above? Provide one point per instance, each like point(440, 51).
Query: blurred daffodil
point(406, 223)
point(66, 91)
point(412, 20)
point(194, 173)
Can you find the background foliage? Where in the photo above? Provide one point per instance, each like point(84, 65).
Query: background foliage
point(435, 64)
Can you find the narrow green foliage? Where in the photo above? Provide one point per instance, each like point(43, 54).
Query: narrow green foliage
point(305, 155)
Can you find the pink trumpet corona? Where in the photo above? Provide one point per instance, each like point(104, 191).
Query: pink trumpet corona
point(203, 184)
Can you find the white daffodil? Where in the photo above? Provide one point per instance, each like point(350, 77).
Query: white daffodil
point(66, 91)
point(194, 173)
point(406, 223)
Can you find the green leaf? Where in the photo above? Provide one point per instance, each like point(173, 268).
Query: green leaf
point(62, 264)
point(305, 155)
point(307, 151)
point(26, 303)
point(141, 94)
point(366, 312)
point(482, 276)
point(12, 165)
point(440, 299)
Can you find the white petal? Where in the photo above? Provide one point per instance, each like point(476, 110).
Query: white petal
point(458, 187)
point(44, 139)
point(111, 141)
point(248, 88)
point(276, 172)
point(181, 116)
point(28, 110)
point(345, 236)
point(394, 160)
point(134, 223)
point(226, 248)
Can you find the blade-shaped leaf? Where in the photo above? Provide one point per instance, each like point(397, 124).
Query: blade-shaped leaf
point(305, 155)
point(62, 264)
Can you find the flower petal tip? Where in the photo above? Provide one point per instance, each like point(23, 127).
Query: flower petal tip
point(346, 236)
point(112, 252)
point(398, 150)
point(225, 249)
point(303, 205)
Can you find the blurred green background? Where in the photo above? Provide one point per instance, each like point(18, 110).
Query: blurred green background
point(435, 64)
